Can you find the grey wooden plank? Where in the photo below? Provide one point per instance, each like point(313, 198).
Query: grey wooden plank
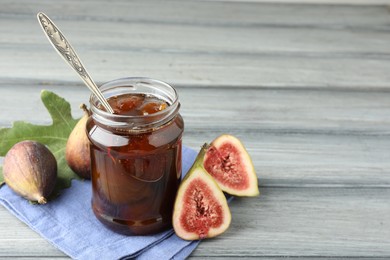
point(282, 222)
point(263, 110)
point(204, 69)
point(295, 137)
point(333, 2)
point(314, 161)
point(210, 24)
point(32, 257)
point(222, 13)
point(35, 258)
point(187, 49)
point(18, 240)
point(307, 223)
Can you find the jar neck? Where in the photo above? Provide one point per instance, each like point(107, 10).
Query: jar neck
point(139, 123)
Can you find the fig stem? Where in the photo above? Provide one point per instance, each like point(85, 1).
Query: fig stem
point(85, 109)
point(42, 200)
point(199, 159)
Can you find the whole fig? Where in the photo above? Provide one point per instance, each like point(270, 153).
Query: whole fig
point(77, 148)
point(30, 169)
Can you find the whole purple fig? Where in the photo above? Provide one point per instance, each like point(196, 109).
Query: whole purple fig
point(30, 170)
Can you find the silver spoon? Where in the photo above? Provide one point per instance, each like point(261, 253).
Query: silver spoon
point(63, 47)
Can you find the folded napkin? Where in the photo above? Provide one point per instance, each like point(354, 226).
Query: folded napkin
point(70, 225)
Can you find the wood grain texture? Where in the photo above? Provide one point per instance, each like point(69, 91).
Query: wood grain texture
point(282, 222)
point(308, 224)
point(205, 43)
point(321, 2)
point(304, 86)
point(296, 137)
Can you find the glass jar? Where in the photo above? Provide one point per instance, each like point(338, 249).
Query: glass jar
point(135, 159)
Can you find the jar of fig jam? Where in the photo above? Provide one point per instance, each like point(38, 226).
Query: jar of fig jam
point(135, 155)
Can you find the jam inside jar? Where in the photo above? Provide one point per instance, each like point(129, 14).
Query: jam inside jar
point(135, 155)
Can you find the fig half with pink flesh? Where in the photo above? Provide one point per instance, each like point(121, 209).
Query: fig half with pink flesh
point(228, 162)
point(201, 209)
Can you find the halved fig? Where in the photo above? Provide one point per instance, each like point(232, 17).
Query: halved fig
point(201, 209)
point(228, 162)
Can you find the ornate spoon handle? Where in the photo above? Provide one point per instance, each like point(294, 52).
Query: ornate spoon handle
point(63, 47)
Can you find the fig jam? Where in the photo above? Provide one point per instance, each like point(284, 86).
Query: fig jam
point(135, 156)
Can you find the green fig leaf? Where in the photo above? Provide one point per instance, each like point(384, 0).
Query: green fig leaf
point(54, 136)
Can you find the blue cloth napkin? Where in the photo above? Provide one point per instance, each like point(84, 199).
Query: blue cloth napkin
point(69, 224)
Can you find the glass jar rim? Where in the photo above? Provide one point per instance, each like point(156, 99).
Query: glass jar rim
point(138, 85)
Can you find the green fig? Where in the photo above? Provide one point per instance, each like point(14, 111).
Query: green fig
point(30, 170)
point(77, 153)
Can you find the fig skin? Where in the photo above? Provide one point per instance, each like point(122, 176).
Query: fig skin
point(231, 167)
point(201, 210)
point(30, 170)
point(77, 154)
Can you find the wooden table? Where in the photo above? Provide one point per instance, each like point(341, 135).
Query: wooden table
point(306, 87)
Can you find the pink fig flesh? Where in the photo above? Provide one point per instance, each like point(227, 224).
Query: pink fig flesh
point(228, 162)
point(201, 209)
